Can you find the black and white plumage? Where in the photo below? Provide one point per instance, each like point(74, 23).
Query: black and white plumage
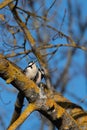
point(33, 72)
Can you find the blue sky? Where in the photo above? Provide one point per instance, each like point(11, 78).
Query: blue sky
point(77, 85)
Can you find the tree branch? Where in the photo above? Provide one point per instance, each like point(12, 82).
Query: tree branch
point(54, 106)
point(30, 108)
point(5, 3)
point(73, 44)
point(18, 107)
point(32, 43)
point(13, 74)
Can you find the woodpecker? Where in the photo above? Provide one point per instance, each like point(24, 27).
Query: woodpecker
point(33, 72)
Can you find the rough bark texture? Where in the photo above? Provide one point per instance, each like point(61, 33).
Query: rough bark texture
point(62, 113)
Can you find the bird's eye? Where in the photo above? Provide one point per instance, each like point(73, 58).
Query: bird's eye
point(30, 66)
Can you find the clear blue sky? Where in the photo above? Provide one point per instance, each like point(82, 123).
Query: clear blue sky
point(77, 86)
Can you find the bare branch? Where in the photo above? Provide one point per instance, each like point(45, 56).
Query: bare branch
point(53, 106)
point(5, 3)
point(65, 45)
point(30, 108)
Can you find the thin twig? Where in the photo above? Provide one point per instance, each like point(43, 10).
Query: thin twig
point(17, 54)
point(65, 45)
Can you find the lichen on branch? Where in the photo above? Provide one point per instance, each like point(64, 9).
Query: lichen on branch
point(52, 106)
